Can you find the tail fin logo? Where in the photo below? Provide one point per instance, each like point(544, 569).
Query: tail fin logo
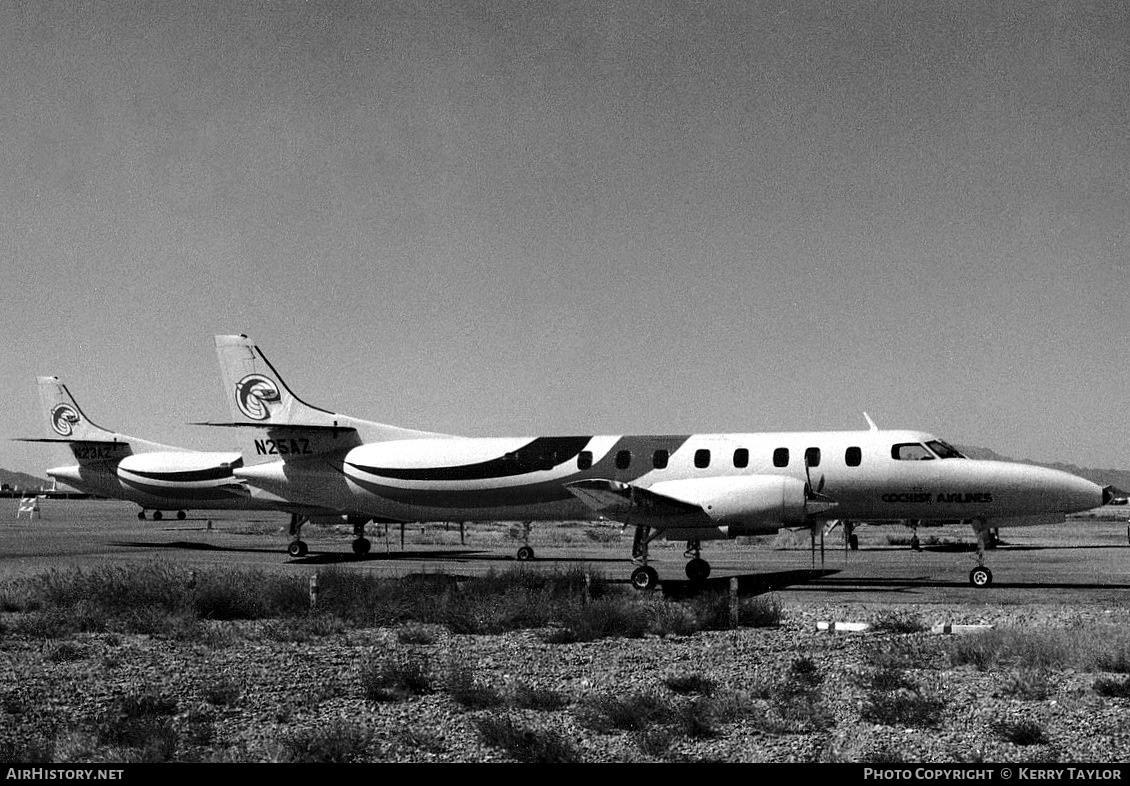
point(251, 394)
point(64, 418)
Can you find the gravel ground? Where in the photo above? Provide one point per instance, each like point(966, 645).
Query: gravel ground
point(239, 693)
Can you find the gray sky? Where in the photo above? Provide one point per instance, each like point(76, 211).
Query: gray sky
point(522, 218)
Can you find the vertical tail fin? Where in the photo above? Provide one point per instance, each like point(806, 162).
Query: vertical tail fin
point(67, 423)
point(257, 396)
point(255, 392)
point(65, 420)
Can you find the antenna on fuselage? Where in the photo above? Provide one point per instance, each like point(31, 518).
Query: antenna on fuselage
point(870, 422)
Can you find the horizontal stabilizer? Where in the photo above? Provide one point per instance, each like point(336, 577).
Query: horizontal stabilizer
point(281, 427)
point(65, 441)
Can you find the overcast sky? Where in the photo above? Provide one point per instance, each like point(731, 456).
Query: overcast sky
point(524, 218)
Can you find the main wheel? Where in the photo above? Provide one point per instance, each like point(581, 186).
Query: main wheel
point(181, 515)
point(141, 517)
point(361, 546)
point(296, 549)
point(853, 542)
point(645, 578)
point(158, 515)
point(526, 553)
point(698, 569)
point(980, 576)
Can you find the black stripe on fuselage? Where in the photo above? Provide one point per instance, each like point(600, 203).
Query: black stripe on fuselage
point(542, 454)
point(537, 493)
point(188, 494)
point(189, 476)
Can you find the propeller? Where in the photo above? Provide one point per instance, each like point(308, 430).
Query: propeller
point(815, 502)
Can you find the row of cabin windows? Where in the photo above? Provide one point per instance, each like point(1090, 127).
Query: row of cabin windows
point(660, 458)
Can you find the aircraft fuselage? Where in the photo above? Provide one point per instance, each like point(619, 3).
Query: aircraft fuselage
point(868, 474)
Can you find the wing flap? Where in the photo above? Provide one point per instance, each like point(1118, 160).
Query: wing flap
point(616, 500)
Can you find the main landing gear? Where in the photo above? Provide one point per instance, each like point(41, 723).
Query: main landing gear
point(158, 515)
point(361, 544)
point(297, 547)
point(646, 577)
point(697, 568)
point(526, 551)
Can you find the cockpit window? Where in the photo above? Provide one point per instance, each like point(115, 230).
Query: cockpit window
point(944, 449)
point(910, 451)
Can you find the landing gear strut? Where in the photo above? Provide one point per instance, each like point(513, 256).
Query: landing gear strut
point(361, 544)
point(981, 576)
point(297, 547)
point(526, 551)
point(644, 577)
point(697, 569)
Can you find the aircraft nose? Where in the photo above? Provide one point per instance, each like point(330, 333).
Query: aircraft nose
point(1079, 493)
point(1110, 493)
point(64, 473)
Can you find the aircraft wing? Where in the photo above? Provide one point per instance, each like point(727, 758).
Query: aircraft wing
point(702, 502)
point(616, 500)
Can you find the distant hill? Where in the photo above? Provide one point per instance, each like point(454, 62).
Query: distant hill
point(21, 480)
point(1119, 478)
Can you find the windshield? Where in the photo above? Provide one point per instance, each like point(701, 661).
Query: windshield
point(944, 449)
point(910, 451)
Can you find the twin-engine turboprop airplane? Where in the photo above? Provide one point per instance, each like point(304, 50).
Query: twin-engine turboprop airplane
point(157, 477)
point(691, 487)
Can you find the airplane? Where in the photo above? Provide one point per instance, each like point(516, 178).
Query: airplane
point(155, 476)
point(687, 487)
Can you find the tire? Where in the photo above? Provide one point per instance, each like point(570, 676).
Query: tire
point(525, 553)
point(141, 517)
point(361, 546)
point(698, 569)
point(645, 578)
point(181, 515)
point(296, 549)
point(980, 577)
point(853, 542)
point(158, 515)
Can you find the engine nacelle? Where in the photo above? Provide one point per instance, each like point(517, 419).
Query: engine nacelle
point(735, 499)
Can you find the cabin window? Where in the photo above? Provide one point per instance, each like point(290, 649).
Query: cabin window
point(741, 458)
point(812, 457)
point(853, 456)
point(781, 457)
point(623, 459)
point(702, 458)
point(910, 451)
point(584, 459)
point(659, 459)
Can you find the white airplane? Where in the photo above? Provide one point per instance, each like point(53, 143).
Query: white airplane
point(155, 476)
point(690, 487)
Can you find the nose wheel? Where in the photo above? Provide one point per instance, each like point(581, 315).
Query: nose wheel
point(980, 576)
